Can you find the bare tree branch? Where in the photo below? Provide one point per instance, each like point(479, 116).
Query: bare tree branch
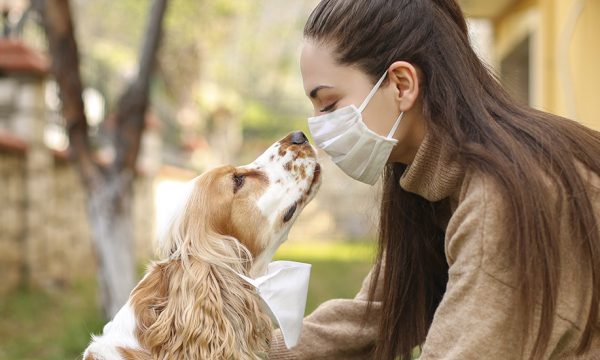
point(56, 18)
point(133, 103)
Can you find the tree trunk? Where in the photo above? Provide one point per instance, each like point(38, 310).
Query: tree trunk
point(109, 210)
point(109, 188)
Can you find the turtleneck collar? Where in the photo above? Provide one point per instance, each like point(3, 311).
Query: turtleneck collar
point(432, 174)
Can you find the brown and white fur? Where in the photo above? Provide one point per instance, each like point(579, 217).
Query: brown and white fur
point(190, 303)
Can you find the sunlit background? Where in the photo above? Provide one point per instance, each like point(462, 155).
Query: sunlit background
point(226, 86)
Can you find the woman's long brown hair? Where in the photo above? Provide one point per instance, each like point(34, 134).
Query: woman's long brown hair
point(485, 130)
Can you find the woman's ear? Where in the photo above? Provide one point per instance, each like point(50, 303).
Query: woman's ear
point(405, 78)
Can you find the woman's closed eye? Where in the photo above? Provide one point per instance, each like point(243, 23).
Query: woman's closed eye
point(329, 108)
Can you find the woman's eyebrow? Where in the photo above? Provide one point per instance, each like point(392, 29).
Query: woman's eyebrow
point(313, 92)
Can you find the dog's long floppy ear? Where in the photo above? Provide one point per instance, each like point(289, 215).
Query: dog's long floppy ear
point(198, 312)
point(191, 304)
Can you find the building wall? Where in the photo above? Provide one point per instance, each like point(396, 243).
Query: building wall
point(564, 53)
point(50, 246)
point(66, 252)
point(12, 226)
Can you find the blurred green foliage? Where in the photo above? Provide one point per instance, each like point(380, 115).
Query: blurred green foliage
point(241, 55)
point(261, 121)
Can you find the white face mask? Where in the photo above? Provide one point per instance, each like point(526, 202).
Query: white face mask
point(356, 149)
point(283, 290)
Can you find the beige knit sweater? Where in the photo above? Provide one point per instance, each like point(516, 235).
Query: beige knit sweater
point(475, 317)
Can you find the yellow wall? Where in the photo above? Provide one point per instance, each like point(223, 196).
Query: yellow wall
point(584, 57)
point(565, 61)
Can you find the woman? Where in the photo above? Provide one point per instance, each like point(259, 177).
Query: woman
point(489, 221)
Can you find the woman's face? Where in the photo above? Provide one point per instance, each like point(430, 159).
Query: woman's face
point(331, 86)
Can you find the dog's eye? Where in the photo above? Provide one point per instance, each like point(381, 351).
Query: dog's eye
point(238, 182)
point(288, 215)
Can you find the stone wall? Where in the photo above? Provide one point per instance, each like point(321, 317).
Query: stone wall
point(69, 249)
point(12, 226)
point(49, 245)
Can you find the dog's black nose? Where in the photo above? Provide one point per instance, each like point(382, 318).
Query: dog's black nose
point(298, 138)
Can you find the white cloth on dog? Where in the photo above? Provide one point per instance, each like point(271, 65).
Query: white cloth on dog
point(283, 289)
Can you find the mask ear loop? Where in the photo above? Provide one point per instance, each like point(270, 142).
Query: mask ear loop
point(396, 124)
point(372, 93)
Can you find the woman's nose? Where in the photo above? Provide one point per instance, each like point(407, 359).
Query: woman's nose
point(298, 138)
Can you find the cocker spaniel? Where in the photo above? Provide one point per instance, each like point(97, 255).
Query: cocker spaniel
point(191, 304)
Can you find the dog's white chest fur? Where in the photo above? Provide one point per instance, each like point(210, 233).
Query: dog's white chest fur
point(119, 333)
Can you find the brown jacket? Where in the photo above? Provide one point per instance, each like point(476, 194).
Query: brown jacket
point(474, 319)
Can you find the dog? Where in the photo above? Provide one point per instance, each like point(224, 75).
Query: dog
point(191, 304)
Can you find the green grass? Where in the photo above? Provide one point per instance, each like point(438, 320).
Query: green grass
point(40, 325)
point(337, 268)
point(328, 251)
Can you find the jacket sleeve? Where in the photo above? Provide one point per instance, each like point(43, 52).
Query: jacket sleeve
point(475, 319)
point(337, 329)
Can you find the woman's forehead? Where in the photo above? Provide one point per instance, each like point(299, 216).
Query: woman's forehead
point(319, 68)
